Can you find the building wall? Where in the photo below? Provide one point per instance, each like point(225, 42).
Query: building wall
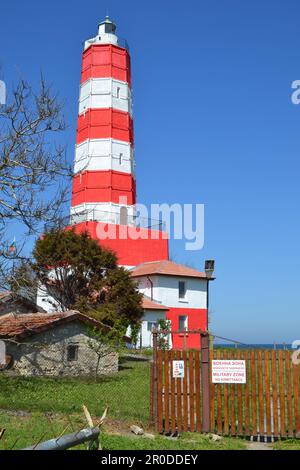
point(196, 320)
point(165, 290)
point(150, 316)
point(104, 154)
point(105, 93)
point(45, 354)
point(106, 61)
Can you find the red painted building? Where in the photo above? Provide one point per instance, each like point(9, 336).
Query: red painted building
point(183, 292)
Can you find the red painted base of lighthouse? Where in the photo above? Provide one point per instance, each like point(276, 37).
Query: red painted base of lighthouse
point(132, 245)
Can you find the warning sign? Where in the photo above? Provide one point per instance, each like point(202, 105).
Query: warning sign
point(228, 371)
point(178, 369)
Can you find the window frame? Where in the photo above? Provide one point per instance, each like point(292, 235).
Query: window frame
point(182, 297)
point(185, 328)
point(75, 347)
point(154, 325)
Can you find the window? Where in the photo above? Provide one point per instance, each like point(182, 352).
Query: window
point(109, 28)
point(120, 158)
point(151, 325)
point(181, 289)
point(118, 92)
point(72, 352)
point(183, 322)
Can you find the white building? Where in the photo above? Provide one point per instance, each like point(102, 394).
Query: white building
point(180, 294)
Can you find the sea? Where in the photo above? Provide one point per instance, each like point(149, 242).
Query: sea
point(282, 346)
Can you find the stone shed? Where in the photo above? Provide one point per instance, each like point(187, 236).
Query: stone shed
point(58, 344)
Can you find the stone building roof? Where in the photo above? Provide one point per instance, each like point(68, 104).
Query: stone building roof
point(19, 326)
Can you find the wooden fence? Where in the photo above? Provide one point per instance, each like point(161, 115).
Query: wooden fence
point(267, 405)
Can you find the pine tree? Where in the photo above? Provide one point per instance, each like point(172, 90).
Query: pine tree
point(80, 274)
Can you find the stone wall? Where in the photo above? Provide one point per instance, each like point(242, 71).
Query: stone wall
point(46, 354)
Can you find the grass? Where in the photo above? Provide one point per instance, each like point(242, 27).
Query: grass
point(126, 393)
point(31, 429)
point(185, 442)
point(36, 409)
point(288, 444)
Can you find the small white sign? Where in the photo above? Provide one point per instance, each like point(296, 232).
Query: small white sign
point(228, 371)
point(178, 369)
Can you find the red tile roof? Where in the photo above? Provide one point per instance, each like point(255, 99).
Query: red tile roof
point(149, 304)
point(167, 268)
point(22, 325)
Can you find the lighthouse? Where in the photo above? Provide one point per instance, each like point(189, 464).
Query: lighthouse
point(104, 183)
point(104, 197)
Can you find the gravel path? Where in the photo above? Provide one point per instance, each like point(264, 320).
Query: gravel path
point(259, 446)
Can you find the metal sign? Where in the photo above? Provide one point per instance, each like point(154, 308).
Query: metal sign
point(178, 369)
point(228, 371)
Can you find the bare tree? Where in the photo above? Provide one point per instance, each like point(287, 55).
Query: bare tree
point(33, 167)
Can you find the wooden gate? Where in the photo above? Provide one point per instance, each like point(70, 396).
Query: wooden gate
point(267, 405)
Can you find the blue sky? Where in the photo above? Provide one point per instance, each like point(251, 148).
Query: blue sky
point(214, 124)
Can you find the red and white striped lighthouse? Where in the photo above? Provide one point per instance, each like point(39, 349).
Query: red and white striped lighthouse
point(104, 185)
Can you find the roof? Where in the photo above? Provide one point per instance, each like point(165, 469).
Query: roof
point(19, 326)
point(149, 304)
point(7, 297)
point(166, 268)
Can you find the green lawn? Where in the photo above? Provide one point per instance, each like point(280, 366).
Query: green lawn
point(126, 393)
point(185, 442)
point(37, 409)
point(288, 444)
point(23, 431)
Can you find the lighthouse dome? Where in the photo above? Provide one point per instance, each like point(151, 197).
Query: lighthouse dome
point(106, 34)
point(107, 26)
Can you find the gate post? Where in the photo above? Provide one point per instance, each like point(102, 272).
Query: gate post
point(153, 383)
point(205, 381)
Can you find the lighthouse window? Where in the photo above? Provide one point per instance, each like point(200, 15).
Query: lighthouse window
point(109, 28)
point(181, 289)
point(183, 322)
point(118, 92)
point(120, 158)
